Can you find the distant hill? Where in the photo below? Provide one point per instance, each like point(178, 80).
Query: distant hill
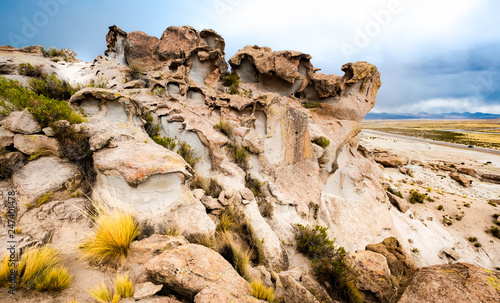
point(466, 115)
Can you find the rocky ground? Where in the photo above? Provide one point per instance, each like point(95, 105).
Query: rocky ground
point(285, 150)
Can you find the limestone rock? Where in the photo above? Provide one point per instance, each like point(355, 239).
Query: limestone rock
point(314, 287)
point(217, 295)
point(145, 290)
point(458, 282)
point(210, 203)
point(22, 122)
point(29, 144)
point(260, 273)
point(191, 268)
point(399, 261)
point(135, 84)
point(115, 39)
point(401, 204)
point(461, 179)
point(467, 171)
point(291, 291)
point(47, 174)
point(491, 178)
point(6, 137)
point(246, 194)
point(451, 253)
point(144, 250)
point(198, 193)
point(374, 275)
point(48, 131)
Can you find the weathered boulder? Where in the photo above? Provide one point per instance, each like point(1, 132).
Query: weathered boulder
point(399, 261)
point(458, 282)
point(260, 273)
point(115, 42)
point(144, 250)
point(390, 160)
point(214, 294)
point(374, 278)
point(401, 204)
point(491, 178)
point(289, 290)
point(189, 269)
point(30, 144)
point(44, 175)
point(461, 179)
point(22, 122)
point(467, 171)
point(6, 137)
point(146, 290)
point(141, 50)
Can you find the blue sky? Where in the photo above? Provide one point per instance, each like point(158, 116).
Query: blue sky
point(434, 56)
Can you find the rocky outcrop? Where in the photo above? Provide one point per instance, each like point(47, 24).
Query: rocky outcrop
point(461, 179)
point(401, 204)
point(189, 269)
point(398, 260)
point(458, 282)
point(22, 122)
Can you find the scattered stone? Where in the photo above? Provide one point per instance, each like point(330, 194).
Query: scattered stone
point(210, 203)
point(401, 204)
point(6, 137)
point(390, 161)
point(146, 290)
point(461, 179)
point(198, 193)
point(22, 122)
point(246, 194)
point(450, 252)
point(48, 131)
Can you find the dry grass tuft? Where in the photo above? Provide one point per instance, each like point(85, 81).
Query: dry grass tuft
point(115, 230)
point(123, 286)
point(262, 292)
point(234, 253)
point(101, 293)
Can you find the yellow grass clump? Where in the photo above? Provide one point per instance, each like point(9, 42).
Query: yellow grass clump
point(123, 289)
point(123, 286)
point(262, 292)
point(115, 230)
point(39, 269)
point(234, 253)
point(101, 293)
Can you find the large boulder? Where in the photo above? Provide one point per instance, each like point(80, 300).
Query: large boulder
point(189, 269)
point(398, 260)
point(22, 122)
point(6, 137)
point(30, 144)
point(461, 179)
point(141, 50)
point(290, 290)
point(374, 278)
point(458, 282)
point(44, 175)
point(214, 294)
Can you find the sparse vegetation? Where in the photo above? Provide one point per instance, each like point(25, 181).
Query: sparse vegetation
point(52, 52)
point(254, 185)
point(234, 253)
point(134, 72)
point(123, 286)
point(26, 69)
point(159, 91)
point(477, 244)
point(311, 105)
point(416, 197)
point(41, 200)
point(101, 293)
point(447, 221)
point(239, 155)
point(188, 153)
point(467, 205)
point(52, 87)
point(233, 82)
point(100, 83)
point(166, 142)
point(440, 207)
point(115, 230)
point(262, 292)
point(226, 222)
point(202, 239)
point(225, 128)
point(329, 265)
point(321, 141)
point(395, 192)
point(492, 203)
point(494, 231)
point(210, 186)
point(14, 97)
point(39, 269)
point(415, 250)
point(40, 153)
point(472, 239)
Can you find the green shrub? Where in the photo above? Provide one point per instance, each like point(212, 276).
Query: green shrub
point(416, 197)
point(14, 97)
point(472, 239)
point(494, 231)
point(210, 186)
point(415, 250)
point(159, 91)
point(225, 128)
point(233, 82)
point(134, 72)
point(254, 185)
point(52, 52)
point(26, 69)
point(492, 203)
point(321, 141)
point(239, 154)
point(166, 142)
point(328, 262)
point(75, 144)
point(262, 292)
point(395, 192)
point(477, 244)
point(52, 87)
point(101, 83)
point(311, 105)
point(188, 153)
point(440, 207)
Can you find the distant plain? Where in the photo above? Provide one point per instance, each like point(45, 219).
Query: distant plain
point(480, 133)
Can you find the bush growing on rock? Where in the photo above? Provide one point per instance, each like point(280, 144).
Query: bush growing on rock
point(321, 141)
point(188, 153)
point(134, 72)
point(416, 197)
point(39, 269)
point(225, 128)
point(210, 186)
point(15, 97)
point(26, 69)
point(494, 231)
point(52, 87)
point(328, 262)
point(395, 192)
point(239, 154)
point(234, 253)
point(233, 82)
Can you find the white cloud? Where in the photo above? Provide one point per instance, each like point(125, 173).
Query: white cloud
point(444, 105)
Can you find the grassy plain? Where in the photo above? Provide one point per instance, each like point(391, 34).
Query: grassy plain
point(481, 133)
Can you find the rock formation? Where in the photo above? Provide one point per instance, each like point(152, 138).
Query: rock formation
point(280, 140)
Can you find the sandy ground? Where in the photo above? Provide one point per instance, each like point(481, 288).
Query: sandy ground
point(466, 208)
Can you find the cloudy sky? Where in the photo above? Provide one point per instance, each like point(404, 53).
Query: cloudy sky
point(434, 56)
